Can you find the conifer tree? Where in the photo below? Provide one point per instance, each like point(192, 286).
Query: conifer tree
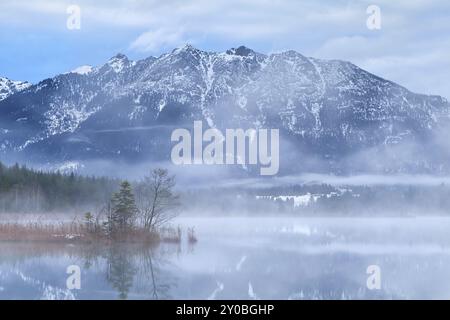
point(123, 208)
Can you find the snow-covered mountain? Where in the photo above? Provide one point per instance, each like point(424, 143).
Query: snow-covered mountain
point(9, 87)
point(331, 114)
point(82, 69)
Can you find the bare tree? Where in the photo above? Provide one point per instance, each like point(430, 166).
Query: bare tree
point(155, 199)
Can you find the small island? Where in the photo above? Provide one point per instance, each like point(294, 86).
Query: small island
point(137, 212)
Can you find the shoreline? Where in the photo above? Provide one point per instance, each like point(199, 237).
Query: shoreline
point(77, 233)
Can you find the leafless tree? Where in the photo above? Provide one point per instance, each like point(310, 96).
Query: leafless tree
point(156, 200)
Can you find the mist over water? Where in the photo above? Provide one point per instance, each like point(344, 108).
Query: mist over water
point(246, 258)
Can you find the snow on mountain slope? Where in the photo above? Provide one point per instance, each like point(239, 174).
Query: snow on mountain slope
point(82, 70)
point(9, 87)
point(327, 109)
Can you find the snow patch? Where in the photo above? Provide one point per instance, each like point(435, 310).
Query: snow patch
point(9, 87)
point(83, 70)
point(69, 167)
point(299, 201)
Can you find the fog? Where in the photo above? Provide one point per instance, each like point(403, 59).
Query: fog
point(302, 234)
point(246, 258)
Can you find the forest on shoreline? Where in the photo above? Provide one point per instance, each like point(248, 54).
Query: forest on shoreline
point(27, 190)
point(138, 212)
point(24, 190)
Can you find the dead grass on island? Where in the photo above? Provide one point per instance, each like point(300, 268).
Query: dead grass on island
point(79, 232)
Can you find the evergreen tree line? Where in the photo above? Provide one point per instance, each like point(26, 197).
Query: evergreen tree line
point(118, 206)
point(27, 190)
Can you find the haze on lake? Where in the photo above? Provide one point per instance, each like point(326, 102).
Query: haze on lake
point(246, 258)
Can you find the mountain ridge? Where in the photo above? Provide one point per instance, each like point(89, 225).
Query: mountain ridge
point(326, 109)
point(9, 87)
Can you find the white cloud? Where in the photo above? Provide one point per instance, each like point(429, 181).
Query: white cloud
point(410, 47)
point(155, 40)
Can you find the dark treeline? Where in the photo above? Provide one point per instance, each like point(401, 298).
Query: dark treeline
point(27, 190)
point(322, 199)
point(121, 211)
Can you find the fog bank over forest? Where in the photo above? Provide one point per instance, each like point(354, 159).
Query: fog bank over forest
point(216, 193)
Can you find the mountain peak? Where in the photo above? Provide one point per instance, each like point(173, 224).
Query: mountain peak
point(319, 103)
point(82, 70)
point(185, 48)
point(9, 87)
point(119, 56)
point(118, 62)
point(242, 51)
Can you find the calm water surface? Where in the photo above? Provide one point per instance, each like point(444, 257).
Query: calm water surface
point(246, 258)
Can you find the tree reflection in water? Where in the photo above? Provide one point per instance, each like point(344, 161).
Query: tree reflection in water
point(143, 268)
point(134, 271)
point(120, 270)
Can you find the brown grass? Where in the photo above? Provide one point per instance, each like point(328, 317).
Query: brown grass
point(74, 232)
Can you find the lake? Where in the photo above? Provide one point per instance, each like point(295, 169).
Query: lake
point(246, 258)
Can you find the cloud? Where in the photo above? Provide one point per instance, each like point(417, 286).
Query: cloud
point(411, 44)
point(420, 64)
point(155, 40)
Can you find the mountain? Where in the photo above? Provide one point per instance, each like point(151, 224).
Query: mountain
point(332, 115)
point(82, 70)
point(9, 87)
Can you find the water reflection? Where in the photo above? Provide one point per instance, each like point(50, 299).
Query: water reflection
point(142, 267)
point(120, 270)
point(245, 259)
point(131, 271)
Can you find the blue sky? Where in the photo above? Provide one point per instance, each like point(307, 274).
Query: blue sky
point(411, 48)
